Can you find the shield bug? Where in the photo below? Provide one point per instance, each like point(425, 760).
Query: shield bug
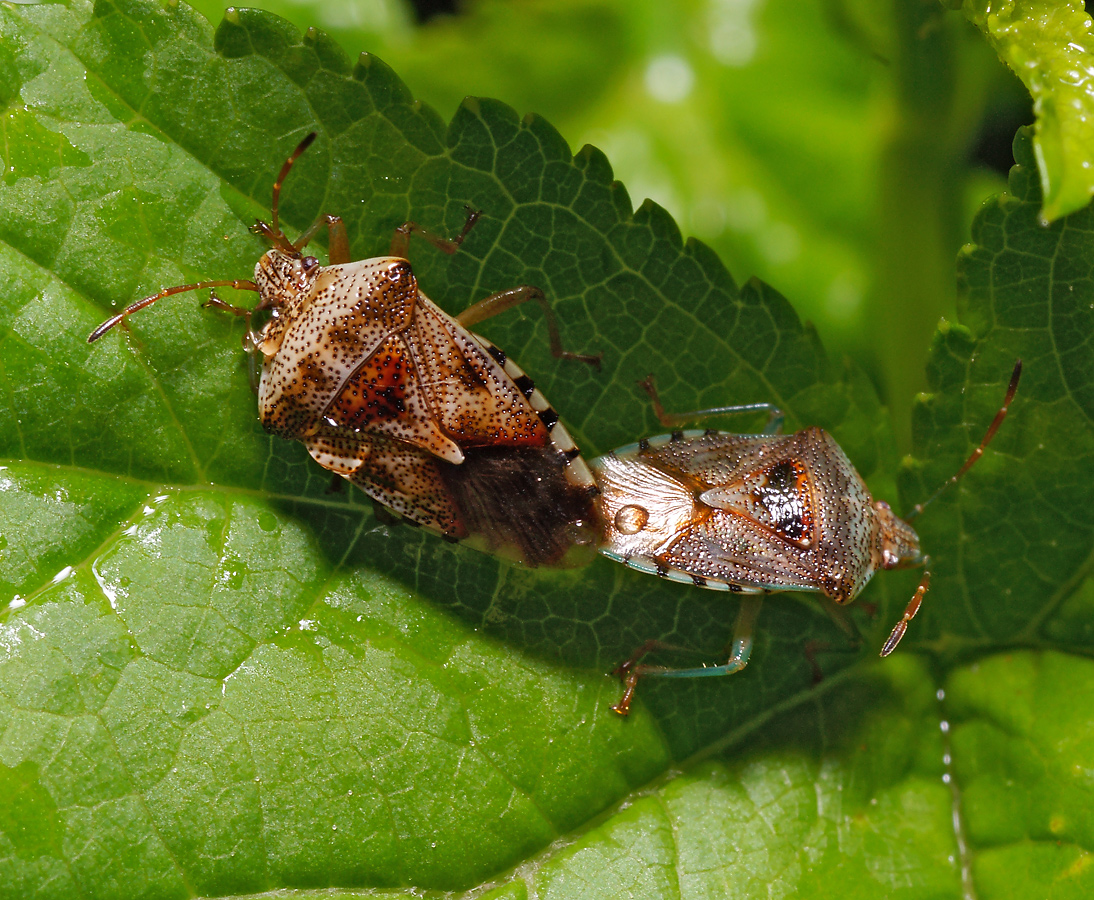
point(753, 514)
point(387, 390)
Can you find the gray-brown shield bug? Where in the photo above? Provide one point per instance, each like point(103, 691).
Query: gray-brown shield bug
point(387, 390)
point(753, 514)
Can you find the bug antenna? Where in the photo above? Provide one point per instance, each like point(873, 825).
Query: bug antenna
point(238, 284)
point(1012, 388)
point(283, 174)
point(909, 612)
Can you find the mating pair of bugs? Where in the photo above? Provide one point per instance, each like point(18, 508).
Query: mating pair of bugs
point(438, 425)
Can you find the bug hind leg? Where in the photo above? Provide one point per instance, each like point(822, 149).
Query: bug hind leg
point(505, 300)
point(774, 425)
point(842, 617)
point(400, 241)
point(740, 650)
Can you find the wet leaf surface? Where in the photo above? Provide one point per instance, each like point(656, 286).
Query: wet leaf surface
point(217, 677)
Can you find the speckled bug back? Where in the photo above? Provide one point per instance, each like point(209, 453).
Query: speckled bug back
point(387, 390)
point(363, 349)
point(748, 513)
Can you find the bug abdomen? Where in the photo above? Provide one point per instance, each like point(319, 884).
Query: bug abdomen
point(524, 504)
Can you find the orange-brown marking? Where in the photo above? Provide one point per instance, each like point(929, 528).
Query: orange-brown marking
point(377, 391)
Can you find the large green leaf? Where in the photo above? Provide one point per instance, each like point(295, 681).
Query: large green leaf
point(217, 677)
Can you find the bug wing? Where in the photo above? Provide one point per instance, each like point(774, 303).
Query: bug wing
point(720, 510)
point(384, 395)
point(729, 550)
point(471, 395)
point(403, 478)
point(524, 504)
point(519, 502)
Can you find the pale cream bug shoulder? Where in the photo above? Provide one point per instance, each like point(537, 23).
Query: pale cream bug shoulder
point(387, 390)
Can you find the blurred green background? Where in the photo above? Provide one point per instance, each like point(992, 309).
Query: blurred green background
point(836, 149)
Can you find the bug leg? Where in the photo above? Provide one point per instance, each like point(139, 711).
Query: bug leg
point(251, 338)
point(740, 650)
point(214, 302)
point(337, 239)
point(670, 420)
point(400, 241)
point(842, 617)
point(384, 515)
point(505, 300)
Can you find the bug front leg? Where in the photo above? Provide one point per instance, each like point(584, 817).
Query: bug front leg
point(673, 420)
point(505, 300)
point(337, 239)
point(842, 617)
point(400, 241)
point(740, 650)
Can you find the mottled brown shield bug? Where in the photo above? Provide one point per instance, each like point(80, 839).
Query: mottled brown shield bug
point(754, 514)
point(387, 390)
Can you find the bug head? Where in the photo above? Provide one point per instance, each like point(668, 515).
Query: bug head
point(285, 279)
point(897, 542)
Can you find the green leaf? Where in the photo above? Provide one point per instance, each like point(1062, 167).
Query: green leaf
point(217, 677)
point(1048, 45)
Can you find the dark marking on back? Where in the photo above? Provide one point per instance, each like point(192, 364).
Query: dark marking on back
point(661, 570)
point(677, 435)
point(525, 385)
point(786, 499)
point(498, 354)
point(548, 417)
point(572, 453)
point(643, 445)
point(699, 580)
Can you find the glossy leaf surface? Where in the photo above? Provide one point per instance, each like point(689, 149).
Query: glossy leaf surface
point(1048, 45)
point(217, 677)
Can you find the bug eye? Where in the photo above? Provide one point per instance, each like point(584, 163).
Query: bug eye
point(309, 263)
